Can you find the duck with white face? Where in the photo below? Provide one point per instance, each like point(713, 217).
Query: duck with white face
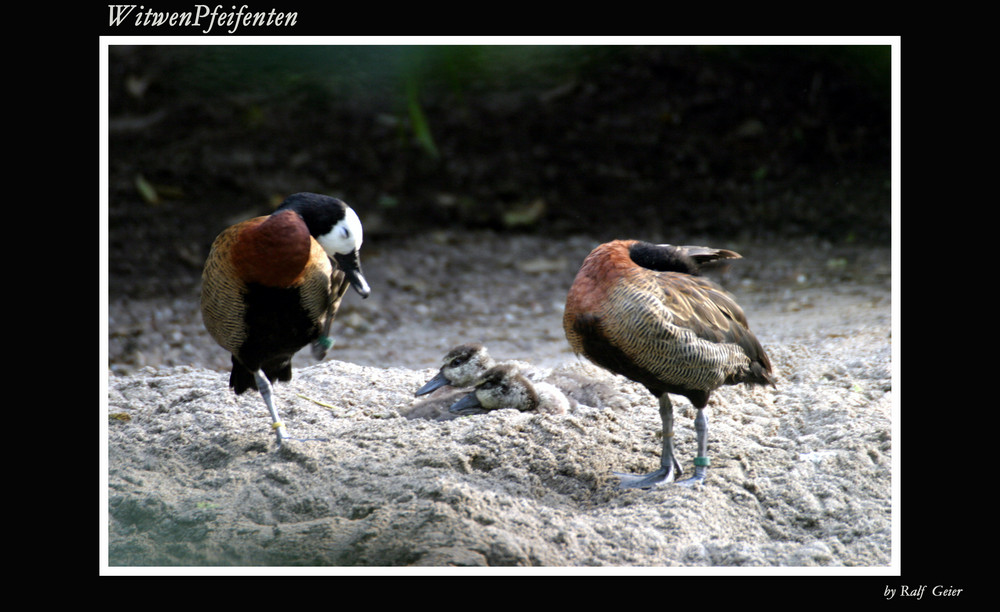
point(273, 284)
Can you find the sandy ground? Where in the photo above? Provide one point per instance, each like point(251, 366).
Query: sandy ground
point(801, 474)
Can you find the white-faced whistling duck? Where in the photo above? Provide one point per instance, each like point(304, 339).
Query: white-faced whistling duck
point(504, 386)
point(640, 310)
point(269, 288)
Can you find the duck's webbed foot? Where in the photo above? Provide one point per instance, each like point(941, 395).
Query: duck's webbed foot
point(700, 469)
point(666, 474)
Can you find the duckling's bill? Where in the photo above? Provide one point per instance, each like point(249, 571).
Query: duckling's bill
point(468, 405)
point(440, 380)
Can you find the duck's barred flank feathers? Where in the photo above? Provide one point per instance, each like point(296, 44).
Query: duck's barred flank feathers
point(222, 305)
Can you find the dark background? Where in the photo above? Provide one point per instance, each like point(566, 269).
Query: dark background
point(655, 142)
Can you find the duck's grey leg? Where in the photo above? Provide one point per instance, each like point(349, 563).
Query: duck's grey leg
point(669, 468)
point(701, 460)
point(264, 386)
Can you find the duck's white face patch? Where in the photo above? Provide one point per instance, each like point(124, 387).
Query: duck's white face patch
point(345, 237)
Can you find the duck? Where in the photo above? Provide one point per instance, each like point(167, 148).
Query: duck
point(505, 386)
point(273, 284)
point(643, 311)
point(465, 364)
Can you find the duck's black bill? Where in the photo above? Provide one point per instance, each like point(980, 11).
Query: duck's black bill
point(350, 265)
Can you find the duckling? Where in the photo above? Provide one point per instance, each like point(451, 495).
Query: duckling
point(504, 386)
point(640, 310)
point(465, 364)
point(269, 288)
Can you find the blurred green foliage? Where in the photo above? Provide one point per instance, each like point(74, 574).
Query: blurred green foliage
point(397, 79)
point(379, 74)
point(384, 78)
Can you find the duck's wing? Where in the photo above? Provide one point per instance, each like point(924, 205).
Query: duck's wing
point(712, 314)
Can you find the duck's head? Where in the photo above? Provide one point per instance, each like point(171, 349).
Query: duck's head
point(669, 258)
point(502, 386)
point(463, 366)
point(337, 228)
